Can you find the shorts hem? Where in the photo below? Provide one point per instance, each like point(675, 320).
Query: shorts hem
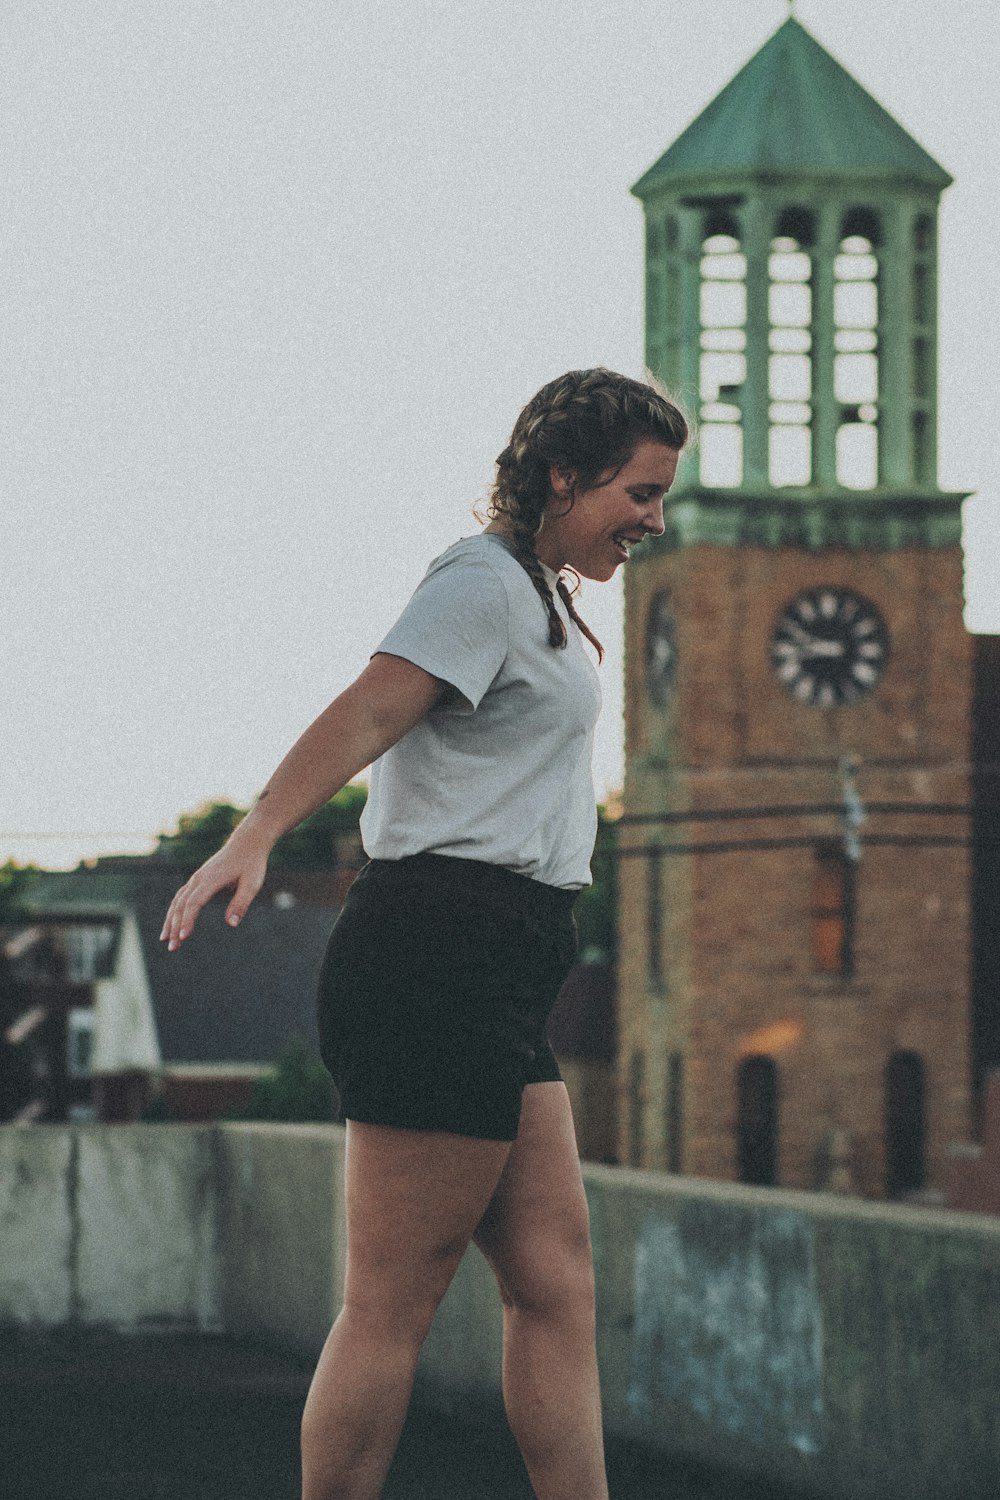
point(473, 1130)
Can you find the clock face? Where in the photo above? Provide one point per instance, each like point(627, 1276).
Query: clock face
point(829, 647)
point(661, 649)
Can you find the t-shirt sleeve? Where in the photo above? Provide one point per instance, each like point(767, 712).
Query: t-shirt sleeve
point(455, 627)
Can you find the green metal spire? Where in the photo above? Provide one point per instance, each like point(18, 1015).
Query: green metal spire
point(793, 109)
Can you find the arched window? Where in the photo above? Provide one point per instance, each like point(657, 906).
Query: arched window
point(832, 910)
point(799, 223)
point(905, 1124)
point(636, 1106)
point(923, 233)
point(864, 222)
point(757, 1121)
point(723, 365)
point(922, 465)
point(654, 921)
point(675, 1112)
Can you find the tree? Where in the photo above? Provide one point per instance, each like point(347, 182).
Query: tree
point(299, 1089)
point(199, 834)
point(311, 845)
point(596, 908)
point(314, 844)
point(14, 881)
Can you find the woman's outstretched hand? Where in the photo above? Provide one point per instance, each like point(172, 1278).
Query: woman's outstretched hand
point(389, 697)
point(241, 862)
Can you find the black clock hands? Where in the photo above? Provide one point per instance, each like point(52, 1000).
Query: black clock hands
point(829, 647)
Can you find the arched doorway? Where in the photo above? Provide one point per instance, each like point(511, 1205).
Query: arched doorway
point(757, 1121)
point(905, 1123)
point(636, 1107)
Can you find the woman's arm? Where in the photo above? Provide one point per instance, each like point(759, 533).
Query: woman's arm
point(389, 697)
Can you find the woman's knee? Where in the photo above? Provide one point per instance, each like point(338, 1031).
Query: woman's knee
point(394, 1296)
point(387, 1315)
point(548, 1277)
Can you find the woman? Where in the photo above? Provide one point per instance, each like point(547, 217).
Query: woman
point(478, 710)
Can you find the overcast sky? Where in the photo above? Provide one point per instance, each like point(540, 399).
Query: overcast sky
point(278, 277)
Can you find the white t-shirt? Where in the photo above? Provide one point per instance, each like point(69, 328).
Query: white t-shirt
point(500, 769)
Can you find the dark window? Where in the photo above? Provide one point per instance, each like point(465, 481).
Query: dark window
point(720, 220)
point(863, 221)
point(923, 233)
point(905, 1124)
point(757, 1121)
point(675, 1112)
point(654, 921)
point(798, 223)
point(636, 1090)
point(922, 311)
point(921, 449)
point(833, 911)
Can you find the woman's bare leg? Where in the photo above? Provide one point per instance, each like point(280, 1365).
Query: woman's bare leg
point(535, 1235)
point(413, 1199)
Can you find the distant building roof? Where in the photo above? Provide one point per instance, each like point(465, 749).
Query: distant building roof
point(228, 996)
point(53, 891)
point(794, 109)
point(225, 996)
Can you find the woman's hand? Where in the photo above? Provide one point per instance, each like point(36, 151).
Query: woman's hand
point(241, 862)
point(391, 695)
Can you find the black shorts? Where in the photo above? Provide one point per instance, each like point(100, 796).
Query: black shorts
point(434, 992)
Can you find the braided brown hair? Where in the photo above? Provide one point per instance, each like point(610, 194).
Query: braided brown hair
point(585, 423)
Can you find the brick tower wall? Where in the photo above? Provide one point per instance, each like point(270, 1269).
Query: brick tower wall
point(736, 960)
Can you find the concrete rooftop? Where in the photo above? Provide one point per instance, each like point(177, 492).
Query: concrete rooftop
point(91, 1416)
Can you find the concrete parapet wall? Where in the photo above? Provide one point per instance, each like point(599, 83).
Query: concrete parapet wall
point(847, 1349)
point(37, 1234)
point(107, 1226)
point(281, 1236)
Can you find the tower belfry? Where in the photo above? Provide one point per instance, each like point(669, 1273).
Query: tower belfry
point(792, 293)
point(794, 945)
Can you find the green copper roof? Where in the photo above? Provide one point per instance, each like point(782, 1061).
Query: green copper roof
point(793, 109)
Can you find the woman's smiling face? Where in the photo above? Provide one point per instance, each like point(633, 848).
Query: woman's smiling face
point(592, 530)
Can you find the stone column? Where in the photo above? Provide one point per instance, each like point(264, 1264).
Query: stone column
point(755, 226)
point(656, 311)
point(688, 314)
point(895, 345)
point(826, 415)
point(931, 336)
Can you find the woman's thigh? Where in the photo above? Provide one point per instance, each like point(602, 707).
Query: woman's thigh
point(535, 1231)
point(414, 1198)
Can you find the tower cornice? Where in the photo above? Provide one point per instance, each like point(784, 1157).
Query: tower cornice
point(874, 520)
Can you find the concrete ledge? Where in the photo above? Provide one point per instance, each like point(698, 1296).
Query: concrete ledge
point(833, 1347)
point(281, 1231)
point(107, 1227)
point(37, 1239)
point(846, 1349)
point(145, 1210)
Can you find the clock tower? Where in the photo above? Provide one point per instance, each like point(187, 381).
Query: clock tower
point(794, 972)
